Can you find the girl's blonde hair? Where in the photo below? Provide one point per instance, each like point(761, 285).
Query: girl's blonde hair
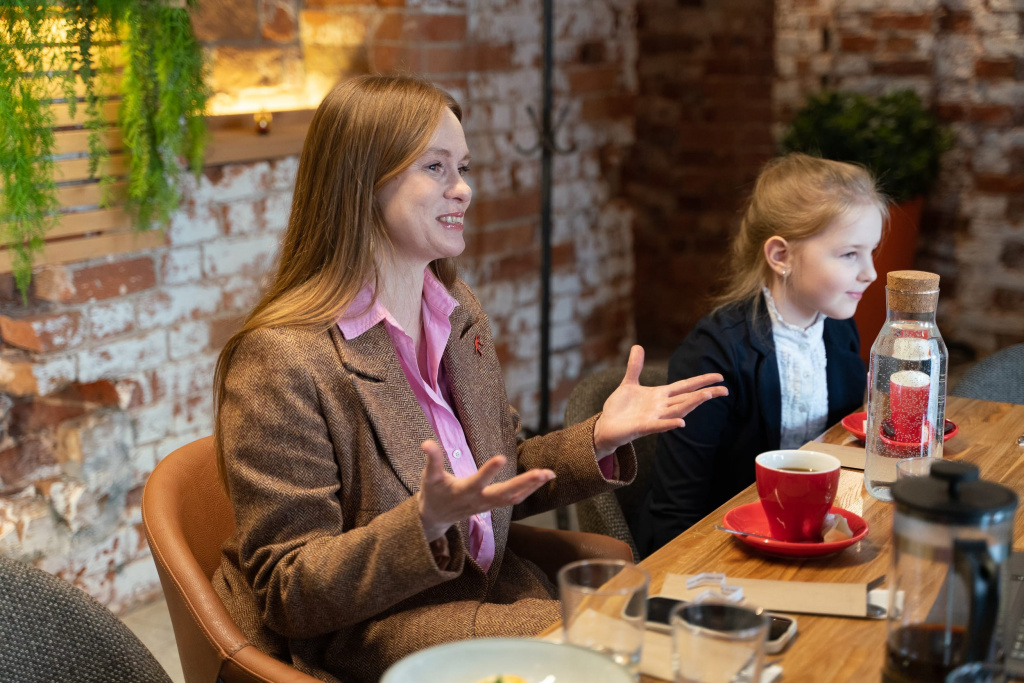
point(795, 197)
point(364, 134)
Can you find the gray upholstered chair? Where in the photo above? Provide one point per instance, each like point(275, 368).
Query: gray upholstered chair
point(52, 631)
point(607, 513)
point(999, 377)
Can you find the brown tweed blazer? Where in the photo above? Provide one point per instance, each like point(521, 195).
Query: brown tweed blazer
point(329, 568)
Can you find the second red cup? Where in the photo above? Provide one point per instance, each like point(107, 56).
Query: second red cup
point(796, 490)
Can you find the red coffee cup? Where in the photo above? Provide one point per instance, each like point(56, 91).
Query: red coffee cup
point(908, 405)
point(796, 489)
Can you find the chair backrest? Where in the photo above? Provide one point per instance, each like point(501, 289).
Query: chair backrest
point(999, 377)
point(187, 517)
point(609, 513)
point(52, 631)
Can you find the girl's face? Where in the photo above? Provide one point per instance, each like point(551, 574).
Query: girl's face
point(423, 207)
point(831, 270)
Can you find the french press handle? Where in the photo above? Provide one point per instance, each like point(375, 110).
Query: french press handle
point(973, 563)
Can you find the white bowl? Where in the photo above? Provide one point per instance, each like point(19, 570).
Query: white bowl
point(537, 661)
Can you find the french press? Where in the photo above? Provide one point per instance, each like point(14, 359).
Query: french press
point(952, 535)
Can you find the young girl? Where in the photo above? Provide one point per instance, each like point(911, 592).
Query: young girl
point(781, 336)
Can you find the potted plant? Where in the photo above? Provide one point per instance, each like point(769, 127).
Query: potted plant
point(901, 143)
point(53, 52)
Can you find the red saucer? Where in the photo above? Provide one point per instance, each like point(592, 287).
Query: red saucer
point(854, 423)
point(751, 518)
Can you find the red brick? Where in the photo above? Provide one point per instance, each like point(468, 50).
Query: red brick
point(19, 463)
point(909, 67)
point(901, 21)
point(998, 114)
point(900, 44)
point(1008, 301)
point(54, 283)
point(486, 211)
point(490, 57)
point(491, 242)
point(102, 392)
point(133, 498)
point(563, 255)
point(592, 52)
point(1013, 255)
point(858, 43)
point(389, 59)
point(952, 112)
point(35, 415)
point(222, 329)
point(445, 60)
point(995, 68)
point(43, 333)
point(350, 3)
point(956, 22)
point(426, 27)
point(515, 267)
point(608, 107)
point(277, 20)
point(226, 20)
point(98, 282)
point(588, 79)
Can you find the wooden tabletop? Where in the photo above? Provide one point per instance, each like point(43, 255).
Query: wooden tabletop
point(841, 649)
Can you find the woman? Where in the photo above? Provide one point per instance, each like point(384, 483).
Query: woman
point(363, 429)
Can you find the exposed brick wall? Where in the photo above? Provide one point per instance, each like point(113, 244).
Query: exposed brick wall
point(703, 129)
point(965, 59)
point(110, 366)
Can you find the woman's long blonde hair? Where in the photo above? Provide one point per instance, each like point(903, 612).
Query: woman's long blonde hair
point(795, 197)
point(365, 132)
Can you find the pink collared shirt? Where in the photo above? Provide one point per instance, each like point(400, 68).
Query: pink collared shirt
point(429, 382)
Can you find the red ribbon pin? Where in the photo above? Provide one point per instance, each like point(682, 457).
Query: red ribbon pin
point(476, 346)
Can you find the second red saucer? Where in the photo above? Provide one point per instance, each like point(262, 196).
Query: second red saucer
point(854, 423)
point(751, 518)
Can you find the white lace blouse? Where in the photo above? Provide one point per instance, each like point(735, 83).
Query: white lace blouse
point(801, 358)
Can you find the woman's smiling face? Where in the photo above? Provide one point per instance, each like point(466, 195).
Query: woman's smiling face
point(424, 206)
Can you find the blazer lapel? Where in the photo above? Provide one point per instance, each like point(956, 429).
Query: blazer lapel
point(390, 404)
point(769, 386)
point(478, 399)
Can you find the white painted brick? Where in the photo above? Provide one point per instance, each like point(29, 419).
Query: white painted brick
point(283, 172)
point(240, 218)
point(112, 318)
point(152, 423)
point(278, 208)
point(189, 226)
point(188, 339)
point(187, 377)
point(170, 305)
point(54, 372)
point(182, 265)
point(117, 359)
point(173, 443)
point(246, 256)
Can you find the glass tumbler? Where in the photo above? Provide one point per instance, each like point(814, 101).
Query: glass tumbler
point(717, 642)
point(604, 608)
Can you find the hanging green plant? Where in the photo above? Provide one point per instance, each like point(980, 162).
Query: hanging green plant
point(50, 52)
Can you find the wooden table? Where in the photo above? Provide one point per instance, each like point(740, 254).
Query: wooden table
point(830, 648)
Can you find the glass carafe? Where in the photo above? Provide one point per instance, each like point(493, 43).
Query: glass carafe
point(951, 542)
point(906, 398)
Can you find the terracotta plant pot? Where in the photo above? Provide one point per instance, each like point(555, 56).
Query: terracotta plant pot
point(899, 246)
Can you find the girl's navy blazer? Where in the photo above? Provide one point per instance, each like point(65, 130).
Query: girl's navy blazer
point(702, 465)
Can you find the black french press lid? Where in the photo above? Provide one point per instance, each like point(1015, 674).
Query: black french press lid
point(952, 493)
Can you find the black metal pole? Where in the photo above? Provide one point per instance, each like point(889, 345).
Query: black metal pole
point(547, 145)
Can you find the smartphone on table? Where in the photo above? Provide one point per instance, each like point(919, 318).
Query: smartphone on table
point(781, 629)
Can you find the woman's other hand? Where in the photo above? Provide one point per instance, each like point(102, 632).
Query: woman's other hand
point(633, 410)
point(444, 499)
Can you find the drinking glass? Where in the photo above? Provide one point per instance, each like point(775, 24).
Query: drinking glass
point(604, 608)
point(914, 467)
point(717, 642)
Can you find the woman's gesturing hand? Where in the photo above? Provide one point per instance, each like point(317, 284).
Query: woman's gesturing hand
point(633, 410)
point(444, 499)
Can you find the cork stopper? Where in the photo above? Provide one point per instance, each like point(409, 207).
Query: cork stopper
point(912, 291)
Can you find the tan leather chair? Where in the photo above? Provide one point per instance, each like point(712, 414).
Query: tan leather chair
point(187, 516)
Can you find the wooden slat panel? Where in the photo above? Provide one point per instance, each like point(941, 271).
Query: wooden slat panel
point(78, 169)
point(237, 146)
point(88, 194)
point(82, 222)
point(110, 86)
point(69, 141)
point(90, 247)
point(63, 118)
